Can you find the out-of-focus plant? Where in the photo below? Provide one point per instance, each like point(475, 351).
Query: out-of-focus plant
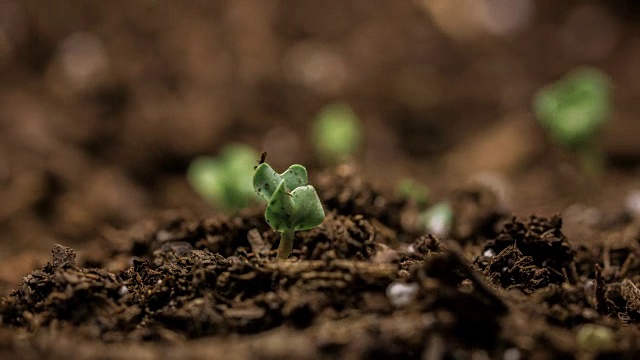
point(595, 338)
point(337, 133)
point(292, 204)
point(436, 220)
point(225, 180)
point(573, 111)
point(414, 191)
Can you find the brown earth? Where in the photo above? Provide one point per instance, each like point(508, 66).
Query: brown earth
point(95, 160)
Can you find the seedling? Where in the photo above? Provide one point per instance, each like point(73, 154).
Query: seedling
point(573, 111)
point(595, 338)
point(437, 220)
point(224, 180)
point(292, 204)
point(413, 191)
point(337, 133)
point(402, 294)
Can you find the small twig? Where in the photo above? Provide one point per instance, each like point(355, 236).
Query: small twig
point(624, 269)
point(601, 300)
point(565, 275)
point(606, 258)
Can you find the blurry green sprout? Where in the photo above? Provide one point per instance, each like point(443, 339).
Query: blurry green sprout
point(437, 220)
point(414, 191)
point(595, 338)
point(337, 133)
point(574, 110)
point(224, 181)
point(292, 204)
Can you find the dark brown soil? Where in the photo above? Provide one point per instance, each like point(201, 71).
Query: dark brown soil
point(178, 278)
point(95, 161)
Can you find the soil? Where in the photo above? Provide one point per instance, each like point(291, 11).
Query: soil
point(106, 253)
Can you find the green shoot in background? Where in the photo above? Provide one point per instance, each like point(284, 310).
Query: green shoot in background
point(292, 204)
point(437, 220)
point(412, 190)
point(224, 181)
point(573, 111)
point(337, 133)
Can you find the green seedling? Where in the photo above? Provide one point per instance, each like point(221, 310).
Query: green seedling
point(292, 204)
point(573, 111)
point(337, 133)
point(595, 338)
point(437, 220)
point(224, 180)
point(412, 190)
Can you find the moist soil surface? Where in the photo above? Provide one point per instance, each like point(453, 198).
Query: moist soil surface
point(107, 253)
point(361, 285)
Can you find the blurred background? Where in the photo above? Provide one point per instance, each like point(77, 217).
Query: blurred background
point(104, 104)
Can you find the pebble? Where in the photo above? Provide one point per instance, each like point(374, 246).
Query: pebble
point(632, 203)
point(401, 294)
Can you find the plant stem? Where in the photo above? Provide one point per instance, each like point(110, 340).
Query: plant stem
point(286, 243)
point(591, 161)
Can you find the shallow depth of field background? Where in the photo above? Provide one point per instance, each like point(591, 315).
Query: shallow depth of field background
point(103, 104)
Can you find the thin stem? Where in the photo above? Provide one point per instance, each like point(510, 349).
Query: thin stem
point(286, 243)
point(591, 160)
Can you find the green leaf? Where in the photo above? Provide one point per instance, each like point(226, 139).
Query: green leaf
point(292, 205)
point(412, 190)
point(308, 211)
point(280, 209)
point(265, 181)
point(225, 180)
point(205, 176)
point(337, 132)
point(295, 176)
point(574, 109)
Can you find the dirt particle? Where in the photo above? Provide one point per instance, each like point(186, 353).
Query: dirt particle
point(63, 256)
